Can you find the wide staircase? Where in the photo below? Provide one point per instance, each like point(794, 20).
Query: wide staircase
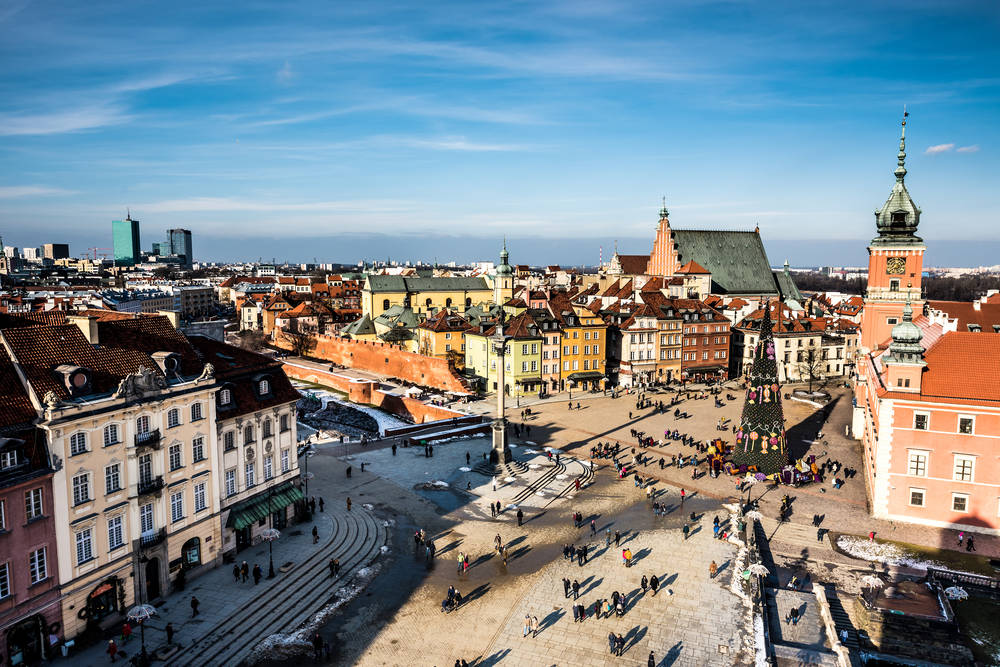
point(356, 540)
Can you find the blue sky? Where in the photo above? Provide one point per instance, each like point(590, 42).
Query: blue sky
point(301, 122)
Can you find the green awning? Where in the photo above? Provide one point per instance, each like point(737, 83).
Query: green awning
point(586, 375)
point(254, 509)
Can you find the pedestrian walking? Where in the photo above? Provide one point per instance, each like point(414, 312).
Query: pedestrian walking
point(393, 449)
point(576, 589)
point(257, 574)
point(644, 583)
point(468, 459)
point(527, 626)
point(969, 546)
point(576, 613)
point(126, 632)
point(683, 495)
point(333, 568)
point(687, 529)
point(793, 616)
point(593, 528)
point(611, 643)
point(315, 532)
point(961, 536)
point(493, 510)
point(194, 606)
point(607, 537)
point(620, 645)
point(713, 569)
point(236, 573)
point(715, 531)
point(245, 571)
point(321, 504)
point(520, 516)
point(494, 484)
point(871, 536)
point(312, 504)
point(534, 626)
point(577, 483)
point(654, 584)
point(112, 649)
point(348, 504)
point(317, 643)
point(170, 633)
point(566, 587)
point(651, 662)
point(618, 538)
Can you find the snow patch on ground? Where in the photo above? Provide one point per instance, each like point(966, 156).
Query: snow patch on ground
point(368, 506)
point(439, 483)
point(464, 469)
point(882, 552)
point(508, 479)
point(384, 549)
point(296, 645)
point(383, 419)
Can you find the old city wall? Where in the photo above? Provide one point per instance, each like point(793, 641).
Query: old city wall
point(368, 393)
point(385, 360)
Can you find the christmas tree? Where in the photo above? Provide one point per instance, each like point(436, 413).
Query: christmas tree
point(760, 441)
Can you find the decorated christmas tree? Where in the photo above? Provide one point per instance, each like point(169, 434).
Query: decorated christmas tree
point(760, 440)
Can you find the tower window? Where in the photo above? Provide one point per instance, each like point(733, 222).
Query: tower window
point(899, 217)
point(893, 285)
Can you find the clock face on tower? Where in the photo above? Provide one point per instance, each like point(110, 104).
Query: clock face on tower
point(895, 266)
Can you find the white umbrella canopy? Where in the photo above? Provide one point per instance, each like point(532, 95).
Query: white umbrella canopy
point(759, 570)
point(754, 515)
point(140, 613)
point(956, 593)
point(270, 534)
point(871, 581)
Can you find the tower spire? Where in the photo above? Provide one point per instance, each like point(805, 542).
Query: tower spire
point(663, 209)
point(901, 157)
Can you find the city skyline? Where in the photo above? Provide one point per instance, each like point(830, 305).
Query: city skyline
point(559, 119)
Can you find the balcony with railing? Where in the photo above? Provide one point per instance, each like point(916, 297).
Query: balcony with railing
point(148, 439)
point(151, 538)
point(150, 485)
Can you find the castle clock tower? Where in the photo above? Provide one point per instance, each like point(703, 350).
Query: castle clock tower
point(895, 261)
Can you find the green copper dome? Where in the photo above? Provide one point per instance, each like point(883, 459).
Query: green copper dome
point(899, 217)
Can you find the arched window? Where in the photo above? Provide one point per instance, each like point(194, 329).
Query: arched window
point(248, 434)
point(447, 303)
point(191, 552)
point(196, 412)
point(173, 418)
point(267, 428)
point(264, 387)
point(225, 396)
point(385, 304)
point(142, 424)
point(468, 302)
point(111, 435)
point(428, 302)
point(77, 443)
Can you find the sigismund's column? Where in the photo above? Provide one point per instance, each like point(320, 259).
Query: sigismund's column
point(501, 449)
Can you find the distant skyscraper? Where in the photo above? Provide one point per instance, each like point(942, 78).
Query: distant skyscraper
point(180, 244)
point(55, 250)
point(126, 241)
point(31, 253)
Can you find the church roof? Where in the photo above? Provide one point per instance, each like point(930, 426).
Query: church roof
point(693, 267)
point(963, 365)
point(633, 265)
point(737, 260)
point(416, 284)
point(786, 286)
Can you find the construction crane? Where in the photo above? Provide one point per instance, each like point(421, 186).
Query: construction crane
point(103, 255)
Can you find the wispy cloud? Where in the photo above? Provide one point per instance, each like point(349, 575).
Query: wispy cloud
point(968, 149)
point(13, 191)
point(70, 120)
point(286, 74)
point(939, 148)
point(225, 204)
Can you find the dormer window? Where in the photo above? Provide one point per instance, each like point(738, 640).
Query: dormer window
point(225, 396)
point(898, 217)
point(264, 387)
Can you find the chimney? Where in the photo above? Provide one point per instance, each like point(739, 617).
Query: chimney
point(88, 325)
point(977, 305)
point(174, 316)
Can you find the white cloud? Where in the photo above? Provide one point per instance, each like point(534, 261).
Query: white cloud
point(12, 191)
point(61, 121)
point(939, 148)
point(968, 149)
point(225, 204)
point(286, 73)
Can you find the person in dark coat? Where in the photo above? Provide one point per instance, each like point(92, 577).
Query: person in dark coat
point(654, 583)
point(194, 606)
point(652, 660)
point(236, 573)
point(257, 574)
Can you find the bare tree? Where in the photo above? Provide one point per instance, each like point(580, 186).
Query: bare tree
point(811, 366)
point(251, 339)
point(303, 342)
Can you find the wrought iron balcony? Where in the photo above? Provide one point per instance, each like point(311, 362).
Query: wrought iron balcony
point(148, 439)
point(150, 485)
point(152, 538)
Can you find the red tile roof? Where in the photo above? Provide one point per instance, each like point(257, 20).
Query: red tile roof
point(693, 267)
point(633, 265)
point(963, 365)
point(16, 409)
point(986, 315)
point(445, 321)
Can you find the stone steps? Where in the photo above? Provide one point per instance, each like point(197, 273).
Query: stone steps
point(841, 619)
point(303, 591)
